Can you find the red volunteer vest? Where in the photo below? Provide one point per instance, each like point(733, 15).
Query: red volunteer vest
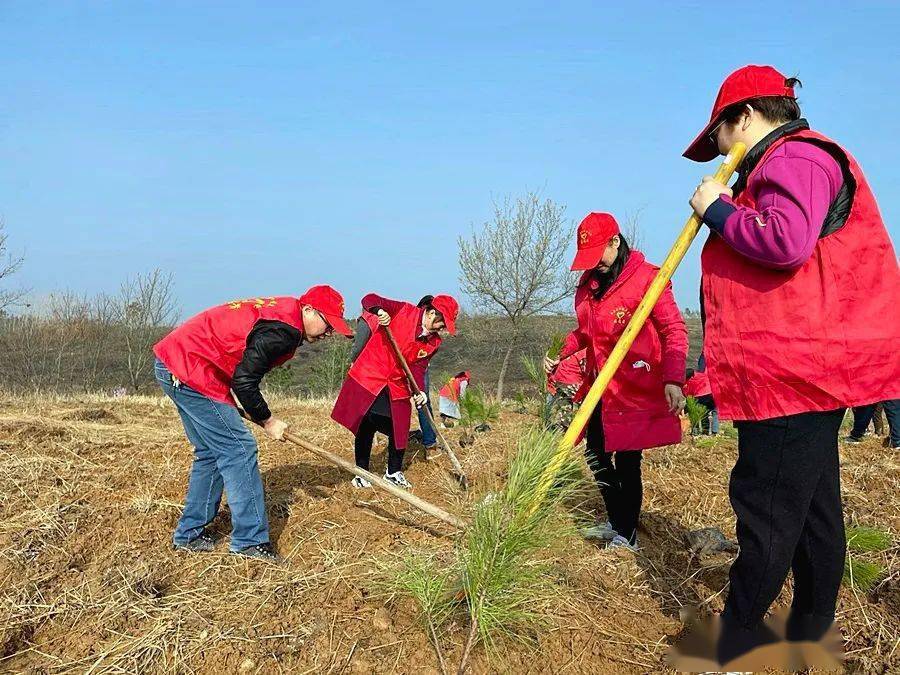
point(817, 338)
point(204, 351)
point(635, 413)
point(569, 371)
point(377, 366)
point(452, 388)
point(698, 385)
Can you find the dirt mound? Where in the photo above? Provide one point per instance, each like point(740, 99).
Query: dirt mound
point(90, 580)
point(101, 415)
point(36, 431)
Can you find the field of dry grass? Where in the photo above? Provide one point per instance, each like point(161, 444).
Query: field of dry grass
point(90, 490)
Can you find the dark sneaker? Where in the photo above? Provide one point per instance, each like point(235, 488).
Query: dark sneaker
point(852, 439)
point(260, 552)
point(201, 544)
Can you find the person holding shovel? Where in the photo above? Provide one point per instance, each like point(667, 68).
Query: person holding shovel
point(799, 282)
point(222, 353)
point(376, 396)
point(641, 407)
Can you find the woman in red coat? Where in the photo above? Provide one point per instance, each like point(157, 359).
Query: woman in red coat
point(376, 396)
point(641, 406)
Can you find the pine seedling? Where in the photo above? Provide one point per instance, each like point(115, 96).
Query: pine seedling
point(867, 540)
point(696, 412)
point(506, 577)
point(862, 574)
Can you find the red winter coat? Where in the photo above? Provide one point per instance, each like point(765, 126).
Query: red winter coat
point(698, 385)
point(820, 337)
point(569, 371)
point(377, 367)
point(635, 413)
point(204, 351)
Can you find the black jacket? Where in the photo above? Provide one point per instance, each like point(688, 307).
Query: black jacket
point(267, 342)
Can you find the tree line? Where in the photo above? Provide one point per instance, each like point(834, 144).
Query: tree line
point(513, 269)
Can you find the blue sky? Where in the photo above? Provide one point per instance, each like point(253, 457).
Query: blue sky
point(258, 148)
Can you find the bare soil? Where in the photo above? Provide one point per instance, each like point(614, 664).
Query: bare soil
point(91, 489)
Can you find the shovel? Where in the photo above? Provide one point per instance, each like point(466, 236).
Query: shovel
point(460, 474)
point(398, 492)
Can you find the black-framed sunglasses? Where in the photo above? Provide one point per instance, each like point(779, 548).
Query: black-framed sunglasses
point(715, 130)
point(329, 329)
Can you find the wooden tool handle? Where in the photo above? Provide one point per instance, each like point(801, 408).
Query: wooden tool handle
point(415, 390)
point(387, 486)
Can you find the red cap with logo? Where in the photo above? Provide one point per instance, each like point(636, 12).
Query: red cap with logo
point(449, 308)
point(594, 234)
point(742, 85)
point(331, 304)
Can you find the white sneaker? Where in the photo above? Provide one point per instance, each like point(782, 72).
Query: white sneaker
point(621, 542)
point(360, 482)
point(602, 531)
point(398, 479)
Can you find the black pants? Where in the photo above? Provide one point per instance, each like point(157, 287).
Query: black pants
point(372, 423)
point(620, 482)
point(785, 491)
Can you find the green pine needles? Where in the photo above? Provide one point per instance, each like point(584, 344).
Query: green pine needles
point(860, 571)
point(501, 576)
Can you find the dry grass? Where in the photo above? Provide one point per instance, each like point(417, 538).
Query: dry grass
point(90, 490)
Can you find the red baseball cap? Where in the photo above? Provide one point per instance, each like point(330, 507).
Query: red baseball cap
point(742, 85)
point(594, 234)
point(449, 308)
point(331, 304)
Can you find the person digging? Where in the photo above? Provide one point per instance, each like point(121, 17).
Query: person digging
point(225, 349)
point(799, 280)
point(375, 396)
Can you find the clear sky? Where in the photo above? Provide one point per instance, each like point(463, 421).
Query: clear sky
point(261, 147)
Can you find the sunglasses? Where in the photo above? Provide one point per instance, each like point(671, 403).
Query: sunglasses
point(329, 329)
point(715, 130)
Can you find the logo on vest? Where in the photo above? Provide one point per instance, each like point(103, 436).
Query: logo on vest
point(422, 354)
point(759, 222)
point(620, 315)
point(258, 303)
point(641, 364)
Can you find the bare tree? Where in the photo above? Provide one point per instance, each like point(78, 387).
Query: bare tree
point(632, 231)
point(9, 265)
point(100, 330)
point(67, 327)
point(145, 308)
point(516, 266)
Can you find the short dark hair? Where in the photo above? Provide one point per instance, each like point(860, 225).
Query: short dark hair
point(425, 301)
point(774, 109)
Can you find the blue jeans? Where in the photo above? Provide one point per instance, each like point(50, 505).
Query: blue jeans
point(862, 417)
point(224, 458)
point(892, 412)
point(429, 436)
